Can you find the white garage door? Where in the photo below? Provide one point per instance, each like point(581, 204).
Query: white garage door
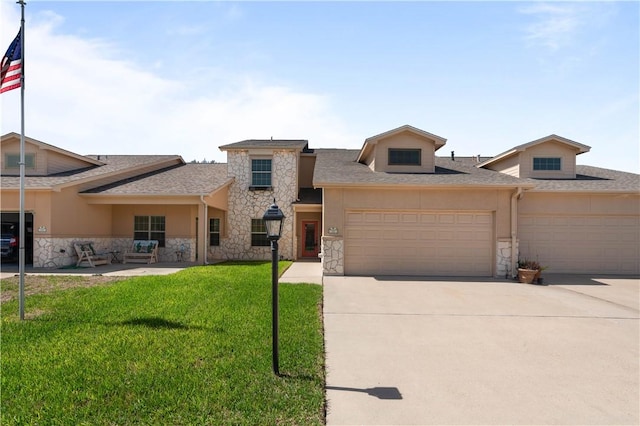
point(418, 243)
point(582, 244)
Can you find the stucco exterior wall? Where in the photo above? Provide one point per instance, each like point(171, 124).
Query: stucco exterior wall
point(71, 216)
point(246, 204)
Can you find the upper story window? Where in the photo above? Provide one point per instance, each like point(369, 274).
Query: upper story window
point(405, 157)
point(546, 163)
point(261, 172)
point(149, 228)
point(12, 161)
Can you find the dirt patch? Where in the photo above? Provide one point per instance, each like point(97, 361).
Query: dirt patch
point(42, 284)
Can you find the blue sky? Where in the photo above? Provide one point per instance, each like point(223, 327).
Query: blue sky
point(186, 77)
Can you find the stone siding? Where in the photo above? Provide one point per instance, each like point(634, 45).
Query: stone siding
point(59, 252)
point(246, 204)
point(332, 255)
point(175, 246)
point(503, 259)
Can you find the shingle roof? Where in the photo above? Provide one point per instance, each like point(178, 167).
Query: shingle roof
point(338, 167)
point(591, 179)
point(267, 143)
point(184, 179)
point(112, 164)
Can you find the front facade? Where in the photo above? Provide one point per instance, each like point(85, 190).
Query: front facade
point(393, 207)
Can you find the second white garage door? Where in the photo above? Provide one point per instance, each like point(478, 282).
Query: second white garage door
point(582, 244)
point(418, 243)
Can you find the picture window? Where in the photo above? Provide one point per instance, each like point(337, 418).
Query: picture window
point(547, 163)
point(13, 161)
point(405, 157)
point(149, 228)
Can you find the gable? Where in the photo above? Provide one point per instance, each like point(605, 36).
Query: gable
point(552, 157)
point(40, 159)
point(402, 150)
point(534, 161)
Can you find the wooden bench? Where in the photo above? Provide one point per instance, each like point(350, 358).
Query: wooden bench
point(142, 251)
point(87, 255)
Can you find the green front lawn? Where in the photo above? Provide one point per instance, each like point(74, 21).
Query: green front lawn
point(192, 348)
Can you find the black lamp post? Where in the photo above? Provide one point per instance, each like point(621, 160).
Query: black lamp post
point(273, 219)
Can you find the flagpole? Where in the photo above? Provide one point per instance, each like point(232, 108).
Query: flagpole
point(21, 241)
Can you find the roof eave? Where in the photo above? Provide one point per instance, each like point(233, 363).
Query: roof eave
point(499, 157)
point(48, 147)
point(87, 179)
point(372, 185)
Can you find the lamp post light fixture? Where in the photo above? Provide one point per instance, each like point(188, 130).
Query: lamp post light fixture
point(273, 219)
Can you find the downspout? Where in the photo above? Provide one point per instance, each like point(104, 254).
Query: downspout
point(514, 229)
point(205, 237)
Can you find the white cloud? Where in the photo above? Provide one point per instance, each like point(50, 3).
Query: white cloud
point(554, 24)
point(82, 97)
point(558, 25)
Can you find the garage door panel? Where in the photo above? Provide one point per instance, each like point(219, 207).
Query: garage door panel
point(428, 218)
point(419, 243)
point(582, 244)
point(447, 219)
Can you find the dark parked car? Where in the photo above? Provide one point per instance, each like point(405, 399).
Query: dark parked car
point(8, 247)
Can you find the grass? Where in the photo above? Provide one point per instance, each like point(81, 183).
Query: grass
point(192, 348)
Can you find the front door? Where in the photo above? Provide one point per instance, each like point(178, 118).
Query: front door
point(310, 238)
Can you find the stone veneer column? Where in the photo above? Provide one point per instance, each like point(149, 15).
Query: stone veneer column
point(503, 259)
point(332, 255)
point(245, 205)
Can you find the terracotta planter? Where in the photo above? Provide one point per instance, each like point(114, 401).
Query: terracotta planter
point(527, 276)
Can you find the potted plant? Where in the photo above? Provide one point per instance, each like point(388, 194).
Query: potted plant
point(529, 271)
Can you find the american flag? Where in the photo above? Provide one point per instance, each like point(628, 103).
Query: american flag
point(11, 69)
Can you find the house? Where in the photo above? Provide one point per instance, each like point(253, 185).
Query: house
point(393, 207)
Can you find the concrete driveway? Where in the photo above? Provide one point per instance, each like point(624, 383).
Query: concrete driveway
point(480, 351)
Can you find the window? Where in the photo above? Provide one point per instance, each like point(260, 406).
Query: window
point(405, 157)
point(149, 228)
point(551, 163)
point(259, 233)
point(261, 173)
point(214, 232)
point(13, 161)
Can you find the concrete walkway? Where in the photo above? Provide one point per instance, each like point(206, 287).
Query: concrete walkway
point(303, 272)
point(114, 269)
point(482, 351)
point(298, 272)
